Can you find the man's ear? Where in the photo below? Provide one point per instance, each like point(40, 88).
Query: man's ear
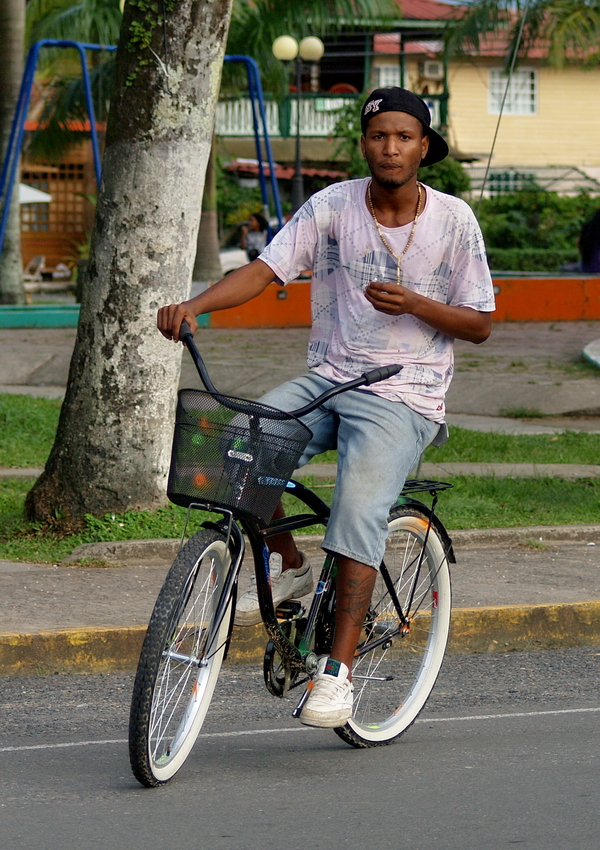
point(362, 146)
point(424, 145)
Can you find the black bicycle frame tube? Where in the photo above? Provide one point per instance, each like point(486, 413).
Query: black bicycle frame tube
point(238, 547)
point(256, 533)
point(322, 593)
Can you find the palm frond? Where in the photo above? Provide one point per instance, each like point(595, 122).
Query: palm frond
point(255, 24)
point(565, 30)
point(573, 30)
point(64, 104)
point(92, 21)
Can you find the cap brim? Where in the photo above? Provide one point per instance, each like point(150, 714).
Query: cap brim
point(438, 148)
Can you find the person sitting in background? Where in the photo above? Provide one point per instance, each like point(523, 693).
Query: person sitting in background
point(589, 245)
point(254, 235)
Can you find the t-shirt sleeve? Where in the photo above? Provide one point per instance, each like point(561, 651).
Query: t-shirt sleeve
point(293, 249)
point(471, 282)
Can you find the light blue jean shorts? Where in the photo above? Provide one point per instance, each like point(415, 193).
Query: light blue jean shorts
point(378, 441)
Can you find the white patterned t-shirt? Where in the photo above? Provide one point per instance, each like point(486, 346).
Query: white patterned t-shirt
point(334, 235)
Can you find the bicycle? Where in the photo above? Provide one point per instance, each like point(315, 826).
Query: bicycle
point(235, 458)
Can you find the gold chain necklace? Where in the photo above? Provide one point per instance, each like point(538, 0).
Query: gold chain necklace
point(397, 257)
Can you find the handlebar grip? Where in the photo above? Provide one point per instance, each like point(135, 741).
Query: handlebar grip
point(185, 330)
point(381, 373)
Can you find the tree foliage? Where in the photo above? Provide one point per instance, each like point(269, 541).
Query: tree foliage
point(255, 24)
point(566, 30)
point(447, 176)
point(92, 21)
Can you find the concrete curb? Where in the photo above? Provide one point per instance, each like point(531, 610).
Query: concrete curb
point(524, 534)
point(474, 630)
point(591, 352)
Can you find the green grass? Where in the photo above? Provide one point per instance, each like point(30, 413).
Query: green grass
point(508, 502)
point(27, 428)
point(21, 540)
point(479, 447)
point(28, 425)
point(473, 503)
point(485, 502)
point(522, 413)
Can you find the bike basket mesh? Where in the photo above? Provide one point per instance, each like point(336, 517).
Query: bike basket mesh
point(232, 452)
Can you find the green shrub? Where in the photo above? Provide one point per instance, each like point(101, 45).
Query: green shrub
point(535, 219)
point(447, 176)
point(530, 259)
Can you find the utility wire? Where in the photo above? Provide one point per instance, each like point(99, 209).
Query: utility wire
point(508, 80)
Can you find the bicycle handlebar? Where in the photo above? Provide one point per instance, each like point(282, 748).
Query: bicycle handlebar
point(186, 336)
point(366, 379)
point(381, 373)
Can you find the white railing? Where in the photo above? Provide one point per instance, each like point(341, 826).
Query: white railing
point(318, 116)
point(234, 118)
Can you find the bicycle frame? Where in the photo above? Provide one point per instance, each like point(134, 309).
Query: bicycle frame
point(302, 658)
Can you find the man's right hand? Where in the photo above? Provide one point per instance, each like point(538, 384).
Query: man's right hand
point(169, 320)
point(236, 288)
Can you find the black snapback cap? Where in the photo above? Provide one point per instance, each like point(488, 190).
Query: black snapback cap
point(395, 99)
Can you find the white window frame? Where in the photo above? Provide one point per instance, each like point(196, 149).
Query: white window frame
point(522, 95)
point(387, 74)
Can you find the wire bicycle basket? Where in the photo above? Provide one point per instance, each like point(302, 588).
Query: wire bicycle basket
point(232, 452)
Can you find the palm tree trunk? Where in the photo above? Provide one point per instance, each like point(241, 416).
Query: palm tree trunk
point(12, 27)
point(112, 447)
point(207, 267)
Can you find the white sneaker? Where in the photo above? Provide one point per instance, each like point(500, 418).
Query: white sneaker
point(285, 584)
point(330, 701)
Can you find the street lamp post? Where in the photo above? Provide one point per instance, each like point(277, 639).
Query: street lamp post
point(286, 49)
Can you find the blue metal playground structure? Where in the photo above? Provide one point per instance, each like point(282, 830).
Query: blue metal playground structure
point(9, 167)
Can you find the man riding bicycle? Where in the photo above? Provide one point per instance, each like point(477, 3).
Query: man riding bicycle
point(399, 271)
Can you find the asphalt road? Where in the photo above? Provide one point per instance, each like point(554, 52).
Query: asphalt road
point(506, 753)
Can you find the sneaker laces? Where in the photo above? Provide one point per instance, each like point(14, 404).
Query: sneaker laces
point(329, 688)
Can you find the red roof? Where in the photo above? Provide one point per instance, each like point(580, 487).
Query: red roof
point(497, 43)
point(250, 166)
point(417, 10)
point(493, 44)
point(428, 10)
point(390, 43)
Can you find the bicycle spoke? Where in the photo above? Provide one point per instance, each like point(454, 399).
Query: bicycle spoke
point(181, 658)
point(405, 633)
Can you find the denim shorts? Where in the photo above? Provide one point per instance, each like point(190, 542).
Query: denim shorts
point(378, 441)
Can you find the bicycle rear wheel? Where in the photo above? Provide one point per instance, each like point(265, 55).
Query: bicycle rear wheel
point(393, 680)
point(180, 661)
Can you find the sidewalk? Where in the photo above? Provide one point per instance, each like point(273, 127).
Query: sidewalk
point(513, 588)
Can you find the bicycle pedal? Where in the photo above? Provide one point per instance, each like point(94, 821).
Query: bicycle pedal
point(289, 610)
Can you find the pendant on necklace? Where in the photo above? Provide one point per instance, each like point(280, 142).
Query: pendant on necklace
point(386, 244)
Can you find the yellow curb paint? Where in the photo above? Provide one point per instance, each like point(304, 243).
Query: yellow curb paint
point(507, 628)
point(493, 629)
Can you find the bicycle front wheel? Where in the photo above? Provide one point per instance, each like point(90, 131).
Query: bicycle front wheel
point(180, 660)
point(398, 662)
